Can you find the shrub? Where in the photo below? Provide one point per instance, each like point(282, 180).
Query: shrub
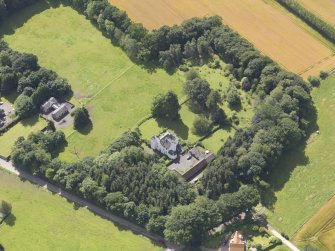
point(314, 81)
point(201, 126)
point(323, 74)
point(183, 68)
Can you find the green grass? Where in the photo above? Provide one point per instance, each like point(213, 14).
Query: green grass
point(44, 221)
point(117, 93)
point(304, 180)
point(217, 139)
point(23, 128)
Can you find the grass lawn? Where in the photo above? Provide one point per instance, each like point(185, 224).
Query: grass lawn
point(304, 180)
point(44, 221)
point(116, 92)
point(215, 141)
point(23, 128)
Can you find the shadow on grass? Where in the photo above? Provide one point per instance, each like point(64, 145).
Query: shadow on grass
point(9, 220)
point(30, 121)
point(21, 17)
point(177, 126)
point(282, 171)
point(87, 129)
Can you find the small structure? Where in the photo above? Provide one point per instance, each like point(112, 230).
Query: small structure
point(59, 111)
point(237, 243)
point(191, 163)
point(167, 144)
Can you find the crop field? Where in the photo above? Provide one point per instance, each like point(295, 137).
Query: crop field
point(325, 9)
point(304, 180)
point(273, 30)
point(117, 93)
point(23, 128)
point(320, 229)
point(45, 221)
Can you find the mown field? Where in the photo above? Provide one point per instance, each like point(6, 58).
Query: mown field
point(272, 30)
point(45, 221)
point(23, 128)
point(304, 180)
point(117, 93)
point(325, 9)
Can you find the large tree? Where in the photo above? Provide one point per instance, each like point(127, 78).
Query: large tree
point(197, 90)
point(165, 106)
point(81, 118)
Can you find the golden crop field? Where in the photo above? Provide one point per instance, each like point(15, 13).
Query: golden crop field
point(320, 229)
point(273, 31)
point(325, 9)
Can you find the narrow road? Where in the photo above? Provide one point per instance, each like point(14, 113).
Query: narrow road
point(95, 209)
point(286, 242)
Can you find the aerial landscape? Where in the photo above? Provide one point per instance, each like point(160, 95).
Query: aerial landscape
point(167, 125)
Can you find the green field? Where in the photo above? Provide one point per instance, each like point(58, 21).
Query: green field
point(117, 93)
point(23, 128)
point(45, 221)
point(304, 180)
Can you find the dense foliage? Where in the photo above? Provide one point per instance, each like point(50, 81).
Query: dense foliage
point(188, 224)
point(20, 73)
point(123, 179)
point(317, 23)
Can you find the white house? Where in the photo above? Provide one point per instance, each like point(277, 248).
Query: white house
point(167, 144)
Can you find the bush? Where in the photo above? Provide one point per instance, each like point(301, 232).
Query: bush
point(323, 74)
point(314, 81)
point(233, 97)
point(202, 126)
point(192, 74)
point(183, 68)
point(81, 118)
point(275, 241)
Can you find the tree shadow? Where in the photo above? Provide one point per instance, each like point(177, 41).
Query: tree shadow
point(194, 107)
point(86, 129)
point(10, 220)
point(177, 126)
point(11, 97)
point(30, 121)
point(18, 19)
point(282, 171)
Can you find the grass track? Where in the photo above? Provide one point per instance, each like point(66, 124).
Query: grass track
point(304, 180)
point(44, 221)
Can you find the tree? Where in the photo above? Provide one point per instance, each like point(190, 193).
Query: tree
point(2, 248)
point(5, 208)
point(24, 106)
point(213, 100)
point(218, 117)
point(233, 97)
point(192, 74)
point(323, 74)
point(165, 106)
point(202, 126)
point(81, 118)
point(314, 81)
point(197, 90)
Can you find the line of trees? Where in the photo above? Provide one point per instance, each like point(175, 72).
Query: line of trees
point(123, 178)
point(325, 29)
point(20, 73)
